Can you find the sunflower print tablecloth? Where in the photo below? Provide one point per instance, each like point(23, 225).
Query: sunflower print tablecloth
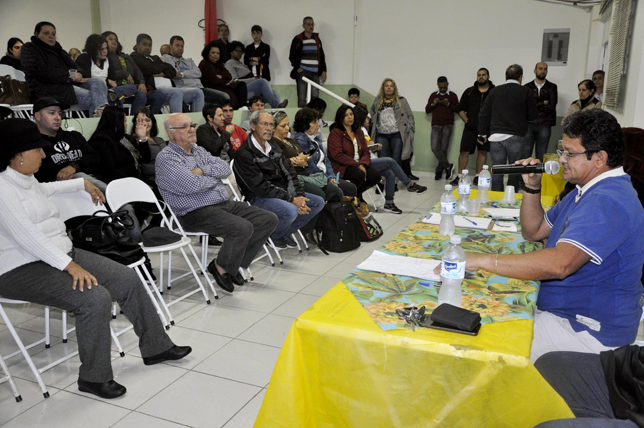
point(496, 298)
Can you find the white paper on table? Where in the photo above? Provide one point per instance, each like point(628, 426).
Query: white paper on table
point(505, 226)
point(459, 221)
point(400, 265)
point(503, 212)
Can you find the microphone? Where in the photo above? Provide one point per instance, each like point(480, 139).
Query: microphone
point(550, 167)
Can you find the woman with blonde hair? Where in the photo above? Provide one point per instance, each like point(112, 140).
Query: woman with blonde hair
point(393, 125)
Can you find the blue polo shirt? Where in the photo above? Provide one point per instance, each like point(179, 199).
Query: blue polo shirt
point(607, 222)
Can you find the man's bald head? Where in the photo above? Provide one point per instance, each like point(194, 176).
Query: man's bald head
point(541, 70)
point(180, 130)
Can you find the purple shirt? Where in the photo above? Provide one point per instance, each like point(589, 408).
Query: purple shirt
point(180, 188)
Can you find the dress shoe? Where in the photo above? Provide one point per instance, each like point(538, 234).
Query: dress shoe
point(439, 173)
point(310, 238)
point(283, 104)
point(224, 280)
point(174, 353)
point(237, 279)
point(413, 177)
point(109, 389)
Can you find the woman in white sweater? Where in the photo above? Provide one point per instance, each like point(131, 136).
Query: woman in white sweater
point(39, 264)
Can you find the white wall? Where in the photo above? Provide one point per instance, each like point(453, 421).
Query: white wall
point(423, 40)
point(72, 19)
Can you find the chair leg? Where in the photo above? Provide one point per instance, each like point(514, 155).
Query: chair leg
point(194, 273)
point(306, 245)
point(24, 352)
point(9, 379)
point(117, 343)
point(277, 251)
point(47, 332)
point(250, 274)
point(202, 267)
point(138, 270)
point(299, 249)
point(161, 271)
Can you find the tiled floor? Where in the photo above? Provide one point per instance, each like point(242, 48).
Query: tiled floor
point(236, 342)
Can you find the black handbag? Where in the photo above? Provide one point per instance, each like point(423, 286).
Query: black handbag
point(106, 234)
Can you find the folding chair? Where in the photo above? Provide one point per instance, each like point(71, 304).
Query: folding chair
point(8, 378)
point(130, 190)
point(381, 198)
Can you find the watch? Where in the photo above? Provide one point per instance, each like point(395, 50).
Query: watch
point(529, 190)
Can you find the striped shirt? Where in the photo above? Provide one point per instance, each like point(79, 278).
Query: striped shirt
point(310, 54)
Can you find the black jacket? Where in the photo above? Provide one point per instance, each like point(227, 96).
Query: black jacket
point(47, 71)
point(263, 52)
point(84, 63)
point(68, 148)
point(507, 110)
point(11, 61)
point(547, 112)
point(471, 102)
point(208, 138)
point(295, 54)
point(152, 65)
point(116, 159)
point(117, 73)
point(261, 176)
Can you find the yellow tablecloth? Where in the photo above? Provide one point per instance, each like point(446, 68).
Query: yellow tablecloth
point(337, 368)
point(552, 185)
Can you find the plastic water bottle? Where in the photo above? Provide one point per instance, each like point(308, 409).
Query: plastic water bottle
point(448, 208)
point(464, 190)
point(484, 184)
point(452, 273)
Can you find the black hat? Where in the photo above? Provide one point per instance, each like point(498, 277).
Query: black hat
point(19, 135)
point(43, 102)
point(5, 111)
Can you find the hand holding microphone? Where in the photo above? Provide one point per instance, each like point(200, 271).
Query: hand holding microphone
point(530, 170)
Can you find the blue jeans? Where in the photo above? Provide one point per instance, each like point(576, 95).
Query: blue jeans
point(390, 170)
point(391, 146)
point(538, 136)
point(91, 94)
point(213, 96)
point(441, 135)
point(301, 87)
point(130, 94)
point(194, 97)
point(263, 88)
point(170, 96)
point(289, 219)
point(502, 152)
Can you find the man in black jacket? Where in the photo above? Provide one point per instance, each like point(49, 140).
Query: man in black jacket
point(69, 156)
point(545, 95)
point(258, 55)
point(503, 121)
point(468, 109)
point(307, 59)
point(267, 180)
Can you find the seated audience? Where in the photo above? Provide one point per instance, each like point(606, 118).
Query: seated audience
point(598, 80)
point(144, 120)
point(12, 58)
point(128, 78)
point(319, 105)
point(388, 167)
point(189, 178)
point(222, 42)
point(68, 155)
point(354, 98)
point(256, 103)
point(237, 133)
point(164, 49)
point(42, 266)
point(254, 85)
point(267, 180)
point(258, 55)
point(587, 99)
point(47, 71)
point(158, 74)
point(349, 155)
point(74, 53)
point(215, 76)
point(93, 63)
point(121, 154)
point(211, 135)
point(599, 389)
point(591, 266)
point(188, 74)
point(306, 125)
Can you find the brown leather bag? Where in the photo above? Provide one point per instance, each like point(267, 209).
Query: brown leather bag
point(14, 92)
point(361, 208)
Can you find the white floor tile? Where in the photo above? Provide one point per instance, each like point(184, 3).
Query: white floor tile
point(246, 416)
point(271, 330)
point(223, 320)
point(200, 400)
point(295, 305)
point(341, 270)
point(139, 420)
point(320, 286)
point(242, 361)
point(30, 393)
point(284, 280)
point(256, 297)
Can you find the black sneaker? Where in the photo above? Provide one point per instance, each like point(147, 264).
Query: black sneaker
point(280, 243)
point(439, 173)
point(392, 208)
point(449, 171)
point(290, 243)
point(454, 182)
point(413, 177)
point(416, 188)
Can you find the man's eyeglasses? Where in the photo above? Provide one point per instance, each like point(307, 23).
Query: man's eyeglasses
point(566, 155)
point(192, 125)
point(266, 124)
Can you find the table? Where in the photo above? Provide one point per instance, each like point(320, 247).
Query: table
point(338, 368)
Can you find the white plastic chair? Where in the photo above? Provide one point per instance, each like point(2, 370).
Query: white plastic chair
point(130, 190)
point(378, 199)
point(7, 70)
point(8, 378)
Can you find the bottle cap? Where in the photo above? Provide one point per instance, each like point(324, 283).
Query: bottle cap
point(448, 187)
point(485, 167)
point(455, 239)
point(465, 172)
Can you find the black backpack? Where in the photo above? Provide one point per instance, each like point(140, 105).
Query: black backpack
point(338, 228)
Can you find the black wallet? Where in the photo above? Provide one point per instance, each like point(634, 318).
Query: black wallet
point(458, 318)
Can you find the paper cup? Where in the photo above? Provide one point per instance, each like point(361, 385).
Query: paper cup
point(509, 195)
point(473, 206)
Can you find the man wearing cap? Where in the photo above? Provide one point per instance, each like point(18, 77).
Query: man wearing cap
point(69, 155)
point(39, 264)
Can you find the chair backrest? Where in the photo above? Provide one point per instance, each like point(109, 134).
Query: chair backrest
point(74, 204)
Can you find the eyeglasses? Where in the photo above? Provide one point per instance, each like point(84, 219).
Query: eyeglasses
point(266, 124)
point(192, 125)
point(567, 156)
